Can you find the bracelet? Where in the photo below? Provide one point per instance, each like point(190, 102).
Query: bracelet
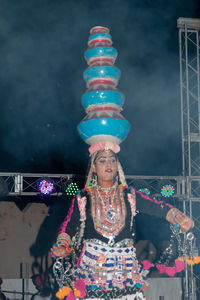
point(172, 213)
point(64, 238)
point(185, 220)
point(60, 243)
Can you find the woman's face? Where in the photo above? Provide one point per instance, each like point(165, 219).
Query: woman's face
point(105, 166)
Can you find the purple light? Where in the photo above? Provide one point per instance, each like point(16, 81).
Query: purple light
point(46, 186)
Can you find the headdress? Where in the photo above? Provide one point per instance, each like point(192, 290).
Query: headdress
point(103, 127)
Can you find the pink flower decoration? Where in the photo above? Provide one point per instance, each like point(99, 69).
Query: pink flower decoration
point(71, 296)
point(161, 268)
point(103, 145)
point(146, 264)
point(80, 286)
point(170, 271)
point(180, 265)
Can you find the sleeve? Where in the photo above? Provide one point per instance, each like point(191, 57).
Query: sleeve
point(153, 207)
point(162, 210)
point(70, 225)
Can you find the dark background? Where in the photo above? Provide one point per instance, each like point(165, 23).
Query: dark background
point(42, 43)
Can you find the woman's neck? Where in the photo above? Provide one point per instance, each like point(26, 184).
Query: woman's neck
point(106, 184)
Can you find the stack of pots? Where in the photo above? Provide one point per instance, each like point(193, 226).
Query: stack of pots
point(102, 101)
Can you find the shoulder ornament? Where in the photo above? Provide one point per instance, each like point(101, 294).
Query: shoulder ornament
point(81, 201)
point(131, 196)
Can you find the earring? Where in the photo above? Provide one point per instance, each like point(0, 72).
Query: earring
point(117, 178)
point(94, 179)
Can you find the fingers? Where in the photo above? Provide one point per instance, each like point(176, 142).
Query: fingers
point(59, 251)
point(187, 225)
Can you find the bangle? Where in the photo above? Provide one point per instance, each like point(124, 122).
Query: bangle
point(64, 238)
point(171, 215)
point(185, 220)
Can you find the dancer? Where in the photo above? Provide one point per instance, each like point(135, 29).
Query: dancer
point(95, 248)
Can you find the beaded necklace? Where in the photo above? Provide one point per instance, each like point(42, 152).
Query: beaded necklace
point(109, 222)
point(110, 213)
point(107, 190)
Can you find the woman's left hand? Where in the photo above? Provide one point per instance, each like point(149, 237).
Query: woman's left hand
point(184, 222)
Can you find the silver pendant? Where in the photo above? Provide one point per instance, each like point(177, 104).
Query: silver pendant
point(111, 241)
point(111, 216)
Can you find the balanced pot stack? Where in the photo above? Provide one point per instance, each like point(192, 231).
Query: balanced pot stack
point(102, 100)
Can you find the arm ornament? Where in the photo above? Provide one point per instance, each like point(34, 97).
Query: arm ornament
point(175, 216)
point(63, 238)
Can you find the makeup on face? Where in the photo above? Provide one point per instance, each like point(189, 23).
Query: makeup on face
point(103, 159)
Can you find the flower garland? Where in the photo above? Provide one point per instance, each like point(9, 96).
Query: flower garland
point(192, 262)
point(177, 268)
point(170, 271)
point(72, 293)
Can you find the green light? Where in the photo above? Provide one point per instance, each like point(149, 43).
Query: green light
point(72, 189)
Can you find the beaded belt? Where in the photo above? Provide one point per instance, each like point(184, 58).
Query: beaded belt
point(123, 243)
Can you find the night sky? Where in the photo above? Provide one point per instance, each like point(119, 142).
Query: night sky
point(42, 44)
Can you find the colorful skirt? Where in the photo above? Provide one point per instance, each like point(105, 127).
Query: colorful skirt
point(113, 271)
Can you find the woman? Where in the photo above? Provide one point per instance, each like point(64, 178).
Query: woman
point(99, 229)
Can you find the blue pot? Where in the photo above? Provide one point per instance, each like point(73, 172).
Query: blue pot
point(102, 97)
point(99, 36)
point(100, 52)
point(108, 129)
point(102, 72)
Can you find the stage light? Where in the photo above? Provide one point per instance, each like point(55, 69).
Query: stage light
point(145, 191)
point(167, 190)
point(46, 186)
point(72, 189)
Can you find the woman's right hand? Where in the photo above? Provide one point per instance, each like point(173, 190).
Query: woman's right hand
point(59, 251)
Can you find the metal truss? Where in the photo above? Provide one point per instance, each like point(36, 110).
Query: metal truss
point(189, 43)
point(26, 184)
point(190, 94)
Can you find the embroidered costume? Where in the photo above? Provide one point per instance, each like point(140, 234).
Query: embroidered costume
point(106, 256)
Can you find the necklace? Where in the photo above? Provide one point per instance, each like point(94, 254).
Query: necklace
point(106, 190)
point(110, 213)
point(100, 217)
